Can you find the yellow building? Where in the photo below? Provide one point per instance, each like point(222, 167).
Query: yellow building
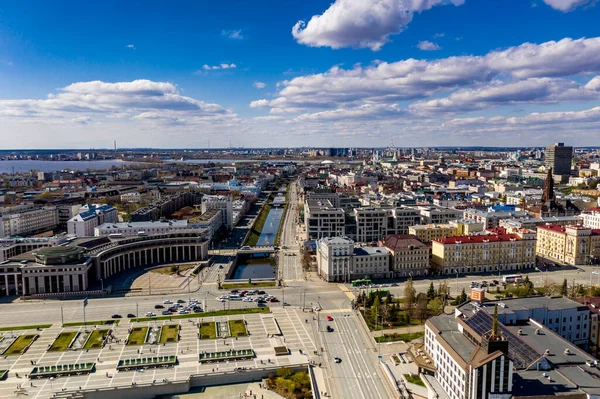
point(430, 232)
point(490, 253)
point(573, 245)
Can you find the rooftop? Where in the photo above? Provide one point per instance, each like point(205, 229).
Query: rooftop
point(478, 239)
point(370, 251)
point(402, 241)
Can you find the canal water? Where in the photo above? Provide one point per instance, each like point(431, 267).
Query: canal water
point(270, 228)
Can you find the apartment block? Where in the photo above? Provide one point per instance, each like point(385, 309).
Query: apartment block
point(408, 255)
point(429, 232)
point(572, 245)
point(438, 214)
point(591, 218)
point(90, 216)
point(492, 219)
point(29, 222)
point(322, 219)
point(219, 202)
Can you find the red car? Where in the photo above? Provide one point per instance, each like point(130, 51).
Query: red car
point(329, 318)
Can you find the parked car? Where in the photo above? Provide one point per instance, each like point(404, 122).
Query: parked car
point(337, 360)
point(260, 292)
point(183, 311)
point(180, 301)
point(166, 312)
point(329, 318)
point(116, 316)
point(167, 302)
point(273, 300)
point(131, 315)
point(329, 329)
point(159, 306)
point(150, 314)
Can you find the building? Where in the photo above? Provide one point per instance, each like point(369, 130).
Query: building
point(438, 214)
point(224, 203)
point(29, 222)
point(322, 220)
point(409, 256)
point(133, 197)
point(429, 232)
point(593, 305)
point(492, 218)
point(532, 223)
point(591, 218)
point(473, 355)
point(76, 267)
point(163, 207)
point(372, 224)
point(338, 259)
point(549, 205)
point(559, 158)
point(90, 216)
point(573, 245)
point(489, 253)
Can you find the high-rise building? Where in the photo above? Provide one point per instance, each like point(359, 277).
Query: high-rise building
point(558, 157)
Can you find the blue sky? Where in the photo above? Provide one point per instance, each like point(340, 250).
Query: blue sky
point(420, 72)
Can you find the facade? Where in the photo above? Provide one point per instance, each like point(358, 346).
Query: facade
point(492, 219)
point(473, 254)
point(573, 245)
point(372, 224)
point(29, 222)
point(593, 305)
point(163, 207)
point(591, 218)
point(338, 259)
point(559, 157)
point(133, 197)
point(409, 256)
point(84, 262)
point(224, 203)
point(132, 229)
point(430, 232)
point(532, 223)
point(438, 214)
point(90, 216)
point(322, 220)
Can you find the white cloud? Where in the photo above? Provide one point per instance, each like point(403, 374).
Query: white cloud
point(426, 45)
point(233, 34)
point(566, 5)
point(269, 118)
point(207, 67)
point(131, 46)
point(364, 112)
point(259, 85)
point(593, 84)
point(438, 35)
point(361, 23)
point(389, 83)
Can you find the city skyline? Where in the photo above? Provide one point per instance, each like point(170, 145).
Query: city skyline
point(322, 74)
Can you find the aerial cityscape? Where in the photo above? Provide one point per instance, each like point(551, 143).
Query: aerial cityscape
point(325, 199)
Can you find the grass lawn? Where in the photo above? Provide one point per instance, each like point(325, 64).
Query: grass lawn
point(137, 336)
point(248, 285)
point(17, 347)
point(95, 340)
point(400, 337)
point(40, 326)
point(169, 333)
point(414, 379)
point(237, 328)
point(230, 312)
point(63, 341)
point(258, 225)
point(208, 330)
point(92, 323)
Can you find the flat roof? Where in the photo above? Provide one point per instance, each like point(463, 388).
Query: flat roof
point(370, 251)
point(448, 327)
point(144, 225)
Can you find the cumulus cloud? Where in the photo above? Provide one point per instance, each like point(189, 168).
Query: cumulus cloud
point(233, 34)
point(389, 83)
point(566, 5)
point(361, 23)
point(259, 85)
point(131, 46)
point(364, 112)
point(83, 102)
point(426, 45)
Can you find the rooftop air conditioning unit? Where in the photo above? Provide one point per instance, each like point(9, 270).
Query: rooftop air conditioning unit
point(567, 351)
point(547, 352)
point(520, 332)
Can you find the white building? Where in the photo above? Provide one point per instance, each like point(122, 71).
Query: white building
point(90, 216)
point(29, 222)
point(591, 219)
point(222, 202)
point(338, 259)
point(133, 197)
point(144, 228)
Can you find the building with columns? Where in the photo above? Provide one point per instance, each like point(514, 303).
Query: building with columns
point(83, 262)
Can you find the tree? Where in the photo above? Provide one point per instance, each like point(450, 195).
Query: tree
point(443, 292)
point(435, 306)
point(421, 311)
point(375, 309)
point(528, 286)
point(409, 295)
point(430, 292)
point(564, 290)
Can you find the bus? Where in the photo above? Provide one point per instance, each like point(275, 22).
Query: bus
point(512, 278)
point(359, 283)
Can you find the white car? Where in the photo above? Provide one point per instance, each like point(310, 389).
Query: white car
point(150, 314)
point(221, 299)
point(248, 299)
point(183, 311)
point(167, 302)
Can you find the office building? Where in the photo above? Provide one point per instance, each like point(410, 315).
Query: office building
point(322, 219)
point(591, 218)
point(29, 222)
point(163, 207)
point(492, 218)
point(90, 216)
point(224, 203)
point(429, 232)
point(559, 158)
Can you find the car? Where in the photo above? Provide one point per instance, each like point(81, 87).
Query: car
point(197, 310)
point(337, 360)
point(273, 300)
point(167, 302)
point(234, 291)
point(159, 306)
point(261, 292)
point(130, 315)
point(116, 316)
point(260, 300)
point(247, 299)
point(329, 329)
point(285, 304)
point(329, 318)
point(150, 314)
point(172, 309)
point(166, 312)
point(180, 301)
point(183, 311)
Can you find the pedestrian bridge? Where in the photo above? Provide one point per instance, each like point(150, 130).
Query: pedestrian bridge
point(259, 249)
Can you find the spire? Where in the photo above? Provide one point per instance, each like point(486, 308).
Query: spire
point(548, 187)
point(495, 324)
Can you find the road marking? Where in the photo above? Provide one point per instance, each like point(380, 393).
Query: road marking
point(346, 291)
